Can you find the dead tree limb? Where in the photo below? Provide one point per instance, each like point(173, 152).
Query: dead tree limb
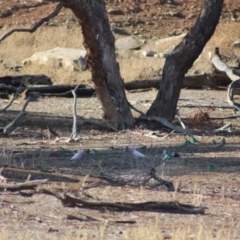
point(37, 25)
point(17, 121)
point(17, 91)
point(22, 186)
point(173, 207)
point(222, 66)
point(197, 81)
point(22, 174)
point(162, 121)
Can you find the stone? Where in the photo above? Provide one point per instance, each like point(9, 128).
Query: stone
point(148, 53)
point(115, 12)
point(173, 40)
point(68, 58)
point(127, 43)
point(236, 44)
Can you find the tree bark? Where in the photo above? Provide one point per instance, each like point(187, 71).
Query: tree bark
point(182, 58)
point(100, 45)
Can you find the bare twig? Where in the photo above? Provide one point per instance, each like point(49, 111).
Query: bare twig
point(180, 120)
point(37, 25)
point(74, 127)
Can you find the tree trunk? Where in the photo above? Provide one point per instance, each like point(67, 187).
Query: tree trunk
point(182, 58)
point(100, 45)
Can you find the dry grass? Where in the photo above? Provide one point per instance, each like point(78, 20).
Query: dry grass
point(133, 65)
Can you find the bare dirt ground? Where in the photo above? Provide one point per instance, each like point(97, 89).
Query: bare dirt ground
point(205, 174)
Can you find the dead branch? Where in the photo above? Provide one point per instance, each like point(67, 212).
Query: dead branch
point(83, 218)
point(230, 94)
point(222, 66)
point(196, 81)
point(17, 121)
point(162, 121)
point(22, 174)
point(37, 25)
point(74, 127)
point(17, 91)
point(22, 186)
point(173, 207)
point(177, 128)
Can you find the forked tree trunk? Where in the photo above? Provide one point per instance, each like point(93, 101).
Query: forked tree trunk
point(100, 45)
point(182, 58)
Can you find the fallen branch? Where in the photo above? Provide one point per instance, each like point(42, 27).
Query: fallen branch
point(37, 25)
point(230, 94)
point(22, 174)
point(173, 207)
point(222, 66)
point(17, 121)
point(17, 91)
point(196, 81)
point(22, 186)
point(86, 218)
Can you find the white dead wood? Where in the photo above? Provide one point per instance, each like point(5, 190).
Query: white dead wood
point(74, 136)
point(230, 94)
point(231, 73)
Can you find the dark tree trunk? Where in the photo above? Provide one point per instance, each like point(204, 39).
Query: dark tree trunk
point(182, 58)
point(100, 45)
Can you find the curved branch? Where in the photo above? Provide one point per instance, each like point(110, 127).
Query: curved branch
point(37, 25)
point(230, 94)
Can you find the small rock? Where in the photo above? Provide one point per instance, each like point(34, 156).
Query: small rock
point(158, 55)
point(236, 44)
point(136, 33)
point(127, 43)
point(148, 53)
point(115, 12)
point(175, 14)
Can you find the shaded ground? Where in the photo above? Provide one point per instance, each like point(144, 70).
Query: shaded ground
point(205, 174)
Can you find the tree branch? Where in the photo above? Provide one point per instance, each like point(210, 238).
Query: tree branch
point(173, 207)
point(37, 25)
point(17, 91)
point(22, 186)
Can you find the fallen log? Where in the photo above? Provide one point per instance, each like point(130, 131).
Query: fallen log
point(54, 91)
point(63, 90)
point(26, 80)
point(21, 174)
point(197, 81)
